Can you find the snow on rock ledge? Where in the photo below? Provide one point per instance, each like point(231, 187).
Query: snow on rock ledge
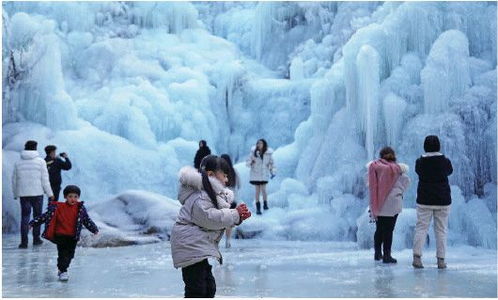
point(130, 218)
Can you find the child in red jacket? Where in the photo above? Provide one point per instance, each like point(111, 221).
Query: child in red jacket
point(63, 223)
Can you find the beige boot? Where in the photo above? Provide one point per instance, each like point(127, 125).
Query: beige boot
point(440, 263)
point(417, 262)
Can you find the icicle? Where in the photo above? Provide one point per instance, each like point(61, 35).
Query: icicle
point(367, 64)
point(39, 96)
point(296, 69)
point(262, 27)
point(394, 108)
point(446, 74)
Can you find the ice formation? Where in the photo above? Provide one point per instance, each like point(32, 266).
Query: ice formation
point(128, 89)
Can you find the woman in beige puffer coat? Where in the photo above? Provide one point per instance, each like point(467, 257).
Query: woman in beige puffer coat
point(203, 217)
point(262, 169)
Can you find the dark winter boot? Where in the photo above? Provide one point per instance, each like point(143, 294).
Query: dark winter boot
point(258, 208)
point(265, 205)
point(377, 245)
point(23, 246)
point(388, 259)
point(37, 242)
point(378, 254)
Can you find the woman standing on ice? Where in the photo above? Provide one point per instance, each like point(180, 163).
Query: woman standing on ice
point(233, 184)
point(433, 200)
point(261, 163)
point(387, 181)
point(204, 215)
point(202, 152)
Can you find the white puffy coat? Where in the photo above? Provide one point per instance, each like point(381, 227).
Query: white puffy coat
point(30, 176)
point(260, 167)
point(200, 226)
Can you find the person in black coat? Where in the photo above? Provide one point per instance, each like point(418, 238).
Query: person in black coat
point(433, 200)
point(54, 165)
point(201, 153)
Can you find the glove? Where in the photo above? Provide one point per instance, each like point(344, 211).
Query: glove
point(244, 213)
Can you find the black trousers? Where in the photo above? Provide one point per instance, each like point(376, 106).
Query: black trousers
point(199, 281)
point(57, 190)
point(66, 245)
point(383, 237)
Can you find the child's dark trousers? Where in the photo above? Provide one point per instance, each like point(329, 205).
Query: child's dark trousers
point(66, 245)
point(199, 281)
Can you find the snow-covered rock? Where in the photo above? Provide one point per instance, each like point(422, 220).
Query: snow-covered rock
point(130, 218)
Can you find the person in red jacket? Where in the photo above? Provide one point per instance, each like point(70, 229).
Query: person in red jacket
point(63, 223)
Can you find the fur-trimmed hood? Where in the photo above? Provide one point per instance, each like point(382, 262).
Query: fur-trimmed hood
point(191, 181)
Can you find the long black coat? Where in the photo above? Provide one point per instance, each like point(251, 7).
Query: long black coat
point(433, 186)
point(201, 153)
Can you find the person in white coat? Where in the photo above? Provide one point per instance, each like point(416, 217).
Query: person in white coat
point(30, 181)
point(203, 217)
point(262, 169)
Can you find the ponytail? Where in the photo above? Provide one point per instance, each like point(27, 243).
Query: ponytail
point(212, 163)
point(209, 188)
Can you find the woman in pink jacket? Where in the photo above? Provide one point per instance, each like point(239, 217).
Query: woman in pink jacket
point(387, 181)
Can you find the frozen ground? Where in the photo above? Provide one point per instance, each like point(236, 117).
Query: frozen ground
point(252, 268)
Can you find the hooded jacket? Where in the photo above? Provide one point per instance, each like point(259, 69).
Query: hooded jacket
point(260, 167)
point(200, 225)
point(30, 177)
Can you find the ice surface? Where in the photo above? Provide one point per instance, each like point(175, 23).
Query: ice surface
point(251, 268)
